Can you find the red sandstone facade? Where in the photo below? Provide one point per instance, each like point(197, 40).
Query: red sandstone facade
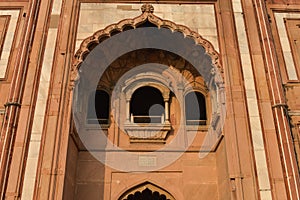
point(254, 48)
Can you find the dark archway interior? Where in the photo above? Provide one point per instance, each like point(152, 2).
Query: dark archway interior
point(147, 105)
point(195, 108)
point(149, 54)
point(146, 24)
point(146, 194)
point(98, 108)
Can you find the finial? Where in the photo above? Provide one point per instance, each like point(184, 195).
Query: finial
point(147, 8)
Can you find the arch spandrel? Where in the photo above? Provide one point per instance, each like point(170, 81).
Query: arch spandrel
point(90, 42)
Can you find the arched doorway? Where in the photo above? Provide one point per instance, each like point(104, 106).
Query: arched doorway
point(146, 191)
point(205, 58)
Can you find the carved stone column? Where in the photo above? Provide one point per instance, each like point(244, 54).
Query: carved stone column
point(127, 110)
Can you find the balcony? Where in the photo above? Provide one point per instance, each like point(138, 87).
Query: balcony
point(147, 128)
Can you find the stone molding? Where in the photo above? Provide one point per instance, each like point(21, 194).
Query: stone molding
point(147, 133)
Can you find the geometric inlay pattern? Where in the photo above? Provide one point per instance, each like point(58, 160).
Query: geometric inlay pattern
point(8, 25)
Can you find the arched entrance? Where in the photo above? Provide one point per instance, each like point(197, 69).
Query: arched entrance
point(146, 191)
point(207, 62)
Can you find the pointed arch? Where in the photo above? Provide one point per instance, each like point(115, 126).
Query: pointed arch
point(147, 16)
point(149, 190)
point(99, 56)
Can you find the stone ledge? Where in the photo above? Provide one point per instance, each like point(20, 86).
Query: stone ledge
point(147, 132)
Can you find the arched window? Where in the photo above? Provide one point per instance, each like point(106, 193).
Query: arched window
point(195, 109)
point(98, 108)
point(147, 105)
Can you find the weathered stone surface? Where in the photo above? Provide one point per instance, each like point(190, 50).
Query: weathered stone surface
point(256, 53)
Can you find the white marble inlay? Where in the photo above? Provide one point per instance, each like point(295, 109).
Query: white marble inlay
point(96, 16)
point(253, 111)
point(8, 41)
point(147, 161)
point(285, 44)
point(37, 127)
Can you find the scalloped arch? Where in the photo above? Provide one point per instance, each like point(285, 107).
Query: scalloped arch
point(146, 185)
point(90, 42)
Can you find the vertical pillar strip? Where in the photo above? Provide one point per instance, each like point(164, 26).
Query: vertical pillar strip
point(37, 128)
point(251, 98)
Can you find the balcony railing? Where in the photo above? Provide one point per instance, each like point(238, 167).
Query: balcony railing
point(144, 128)
point(195, 122)
point(97, 121)
point(157, 119)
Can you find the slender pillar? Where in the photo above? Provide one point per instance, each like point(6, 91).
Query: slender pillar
point(127, 110)
point(166, 110)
